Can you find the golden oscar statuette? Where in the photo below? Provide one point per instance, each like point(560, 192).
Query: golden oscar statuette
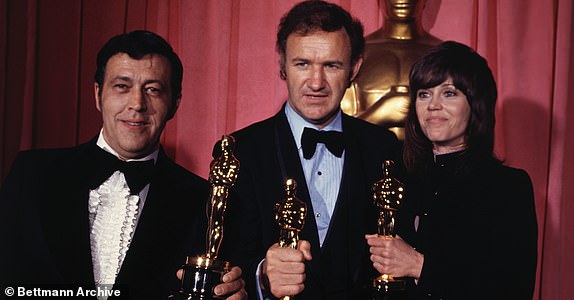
point(290, 217)
point(202, 273)
point(388, 195)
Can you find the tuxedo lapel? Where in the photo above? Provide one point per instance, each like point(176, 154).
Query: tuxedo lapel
point(355, 199)
point(65, 217)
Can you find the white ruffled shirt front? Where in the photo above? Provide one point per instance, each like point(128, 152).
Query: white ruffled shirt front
point(114, 214)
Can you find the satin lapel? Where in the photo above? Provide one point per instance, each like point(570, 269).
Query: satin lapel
point(64, 213)
point(291, 163)
point(351, 211)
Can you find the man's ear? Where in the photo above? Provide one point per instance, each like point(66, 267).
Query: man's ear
point(173, 109)
point(356, 67)
point(282, 73)
point(97, 96)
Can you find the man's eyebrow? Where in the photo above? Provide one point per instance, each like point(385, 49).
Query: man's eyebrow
point(122, 78)
point(154, 81)
point(299, 59)
point(333, 62)
point(328, 62)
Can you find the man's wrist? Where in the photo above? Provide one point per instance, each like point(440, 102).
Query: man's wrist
point(262, 282)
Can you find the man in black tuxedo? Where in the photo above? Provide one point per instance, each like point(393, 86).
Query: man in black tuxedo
point(116, 210)
point(320, 47)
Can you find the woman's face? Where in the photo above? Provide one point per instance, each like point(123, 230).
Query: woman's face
point(443, 113)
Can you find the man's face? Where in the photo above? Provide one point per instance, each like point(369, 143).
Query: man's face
point(318, 71)
point(135, 103)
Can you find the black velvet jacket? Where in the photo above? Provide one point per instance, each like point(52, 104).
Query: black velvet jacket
point(477, 231)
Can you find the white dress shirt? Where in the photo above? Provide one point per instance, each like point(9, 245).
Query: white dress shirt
point(323, 171)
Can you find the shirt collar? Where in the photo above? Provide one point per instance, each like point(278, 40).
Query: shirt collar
point(297, 124)
point(104, 145)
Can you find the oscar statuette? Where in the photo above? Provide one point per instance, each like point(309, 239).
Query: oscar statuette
point(290, 217)
point(388, 196)
point(202, 273)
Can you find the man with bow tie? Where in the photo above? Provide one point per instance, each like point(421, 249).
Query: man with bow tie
point(333, 157)
point(116, 211)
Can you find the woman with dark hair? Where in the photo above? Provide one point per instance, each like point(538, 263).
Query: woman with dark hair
point(467, 228)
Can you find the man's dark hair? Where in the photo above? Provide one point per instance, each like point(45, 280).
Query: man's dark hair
point(138, 44)
point(310, 16)
point(471, 75)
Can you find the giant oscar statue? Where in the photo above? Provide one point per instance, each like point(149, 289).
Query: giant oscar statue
point(388, 196)
point(380, 93)
point(202, 273)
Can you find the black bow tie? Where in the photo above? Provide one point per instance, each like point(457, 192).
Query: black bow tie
point(333, 140)
point(137, 173)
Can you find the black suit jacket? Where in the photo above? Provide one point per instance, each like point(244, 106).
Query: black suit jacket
point(267, 154)
point(44, 223)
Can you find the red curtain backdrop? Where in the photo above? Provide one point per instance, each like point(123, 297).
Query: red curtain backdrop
point(47, 62)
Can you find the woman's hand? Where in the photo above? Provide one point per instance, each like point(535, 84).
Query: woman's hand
point(394, 256)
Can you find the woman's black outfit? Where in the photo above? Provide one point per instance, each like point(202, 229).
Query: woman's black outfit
point(476, 228)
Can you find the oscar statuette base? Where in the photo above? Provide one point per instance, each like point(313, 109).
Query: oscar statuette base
point(385, 287)
point(200, 276)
